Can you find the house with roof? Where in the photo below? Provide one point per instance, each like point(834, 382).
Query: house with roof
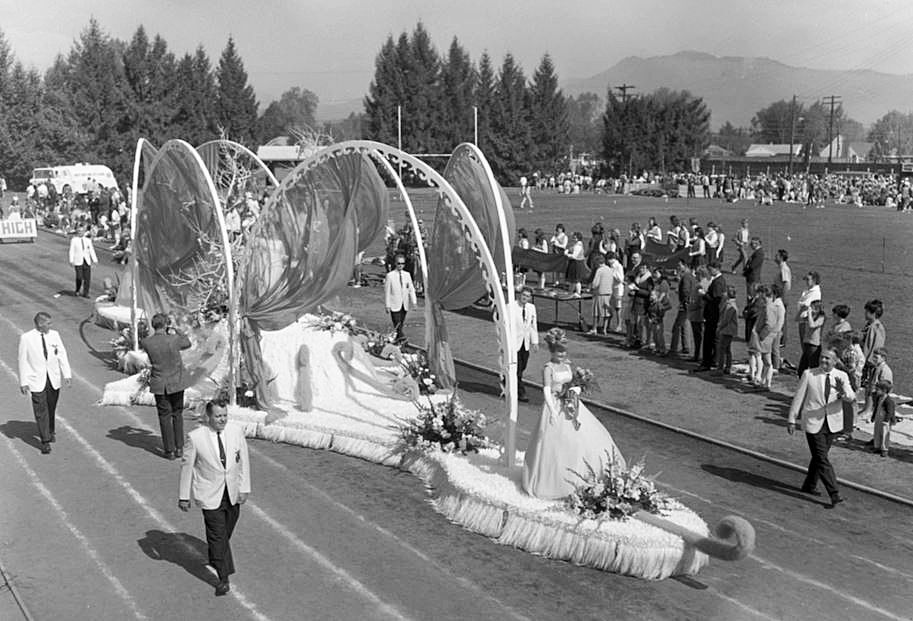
point(841, 150)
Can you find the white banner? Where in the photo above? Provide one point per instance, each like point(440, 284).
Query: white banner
point(18, 229)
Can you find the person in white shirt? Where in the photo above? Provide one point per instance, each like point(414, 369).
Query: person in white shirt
point(526, 335)
point(82, 258)
point(525, 194)
point(399, 294)
point(602, 287)
point(43, 367)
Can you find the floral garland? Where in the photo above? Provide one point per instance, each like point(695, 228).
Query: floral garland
point(447, 426)
point(617, 493)
point(334, 322)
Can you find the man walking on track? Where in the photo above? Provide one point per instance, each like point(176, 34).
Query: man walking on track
point(817, 399)
point(399, 295)
point(43, 364)
point(166, 381)
point(216, 470)
point(82, 258)
point(526, 335)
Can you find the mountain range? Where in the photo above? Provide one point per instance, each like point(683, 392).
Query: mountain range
point(736, 87)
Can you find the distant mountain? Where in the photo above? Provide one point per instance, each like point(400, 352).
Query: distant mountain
point(339, 110)
point(735, 87)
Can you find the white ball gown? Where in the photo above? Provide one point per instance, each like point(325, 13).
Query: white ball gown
point(557, 448)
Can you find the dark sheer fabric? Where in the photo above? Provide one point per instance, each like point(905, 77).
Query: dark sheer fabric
point(303, 248)
point(454, 275)
point(235, 170)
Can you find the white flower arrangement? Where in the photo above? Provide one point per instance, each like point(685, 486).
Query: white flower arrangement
point(449, 427)
point(335, 322)
point(617, 493)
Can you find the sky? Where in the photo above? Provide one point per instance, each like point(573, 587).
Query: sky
point(329, 46)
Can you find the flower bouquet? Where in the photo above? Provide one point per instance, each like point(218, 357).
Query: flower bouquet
point(447, 426)
point(381, 345)
point(416, 365)
point(334, 322)
point(582, 382)
point(617, 493)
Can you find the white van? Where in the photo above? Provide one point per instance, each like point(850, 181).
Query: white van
point(75, 178)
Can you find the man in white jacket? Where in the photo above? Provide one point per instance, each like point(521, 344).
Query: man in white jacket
point(399, 294)
point(82, 258)
point(526, 335)
point(43, 366)
point(216, 470)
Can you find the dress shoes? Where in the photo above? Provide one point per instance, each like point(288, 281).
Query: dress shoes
point(223, 588)
point(810, 492)
point(836, 500)
point(45, 448)
point(169, 455)
point(179, 453)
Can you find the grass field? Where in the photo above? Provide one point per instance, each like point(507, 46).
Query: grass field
point(860, 254)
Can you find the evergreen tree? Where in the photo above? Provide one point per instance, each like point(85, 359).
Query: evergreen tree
point(584, 114)
point(151, 75)
point(458, 79)
point(236, 104)
point(510, 126)
point(384, 95)
point(195, 117)
point(484, 97)
point(422, 106)
point(548, 118)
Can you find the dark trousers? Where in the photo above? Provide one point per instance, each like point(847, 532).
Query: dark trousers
point(708, 347)
point(724, 352)
point(697, 331)
point(83, 279)
point(680, 335)
point(399, 320)
point(44, 406)
point(171, 419)
point(522, 361)
point(811, 358)
point(220, 524)
point(820, 465)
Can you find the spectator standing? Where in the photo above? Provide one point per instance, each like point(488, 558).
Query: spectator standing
point(167, 381)
point(216, 472)
point(82, 258)
point(681, 332)
point(754, 264)
point(742, 239)
point(43, 367)
point(576, 268)
point(811, 293)
point(714, 295)
point(660, 303)
point(785, 280)
point(815, 399)
point(883, 415)
point(726, 330)
point(601, 287)
point(619, 290)
point(780, 310)
point(811, 344)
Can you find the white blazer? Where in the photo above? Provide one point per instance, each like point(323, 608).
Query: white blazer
point(34, 370)
point(809, 400)
point(202, 472)
point(526, 332)
point(82, 250)
point(396, 295)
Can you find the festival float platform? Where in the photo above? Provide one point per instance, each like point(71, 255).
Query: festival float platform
point(357, 404)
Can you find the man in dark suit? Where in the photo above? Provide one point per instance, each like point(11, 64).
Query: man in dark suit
point(216, 471)
point(687, 289)
point(714, 297)
point(752, 270)
point(167, 382)
point(818, 399)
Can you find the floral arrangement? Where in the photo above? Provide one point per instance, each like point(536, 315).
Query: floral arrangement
point(617, 493)
point(143, 381)
point(335, 322)
point(124, 343)
point(416, 365)
point(381, 345)
point(447, 426)
point(583, 382)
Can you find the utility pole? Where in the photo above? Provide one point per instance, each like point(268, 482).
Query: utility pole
point(833, 99)
point(624, 88)
point(792, 133)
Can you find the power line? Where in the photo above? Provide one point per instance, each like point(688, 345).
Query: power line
point(624, 88)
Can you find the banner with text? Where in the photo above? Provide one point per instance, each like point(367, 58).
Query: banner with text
point(18, 230)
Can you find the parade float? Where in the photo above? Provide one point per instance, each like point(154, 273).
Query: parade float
point(321, 381)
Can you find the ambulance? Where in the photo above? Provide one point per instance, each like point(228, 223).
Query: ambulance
point(76, 178)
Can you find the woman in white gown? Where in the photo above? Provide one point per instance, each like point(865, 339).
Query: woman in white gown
point(563, 444)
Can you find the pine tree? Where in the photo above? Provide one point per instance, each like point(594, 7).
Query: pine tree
point(384, 95)
point(195, 119)
point(548, 118)
point(484, 97)
point(510, 127)
point(151, 74)
point(236, 104)
point(458, 79)
point(422, 107)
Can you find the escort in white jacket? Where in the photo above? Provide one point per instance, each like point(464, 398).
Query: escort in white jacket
point(34, 369)
point(202, 472)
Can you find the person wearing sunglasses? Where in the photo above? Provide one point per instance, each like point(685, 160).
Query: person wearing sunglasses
point(399, 294)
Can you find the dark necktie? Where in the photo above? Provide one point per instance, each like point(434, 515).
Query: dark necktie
point(827, 388)
point(401, 279)
point(44, 346)
point(524, 313)
point(221, 448)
